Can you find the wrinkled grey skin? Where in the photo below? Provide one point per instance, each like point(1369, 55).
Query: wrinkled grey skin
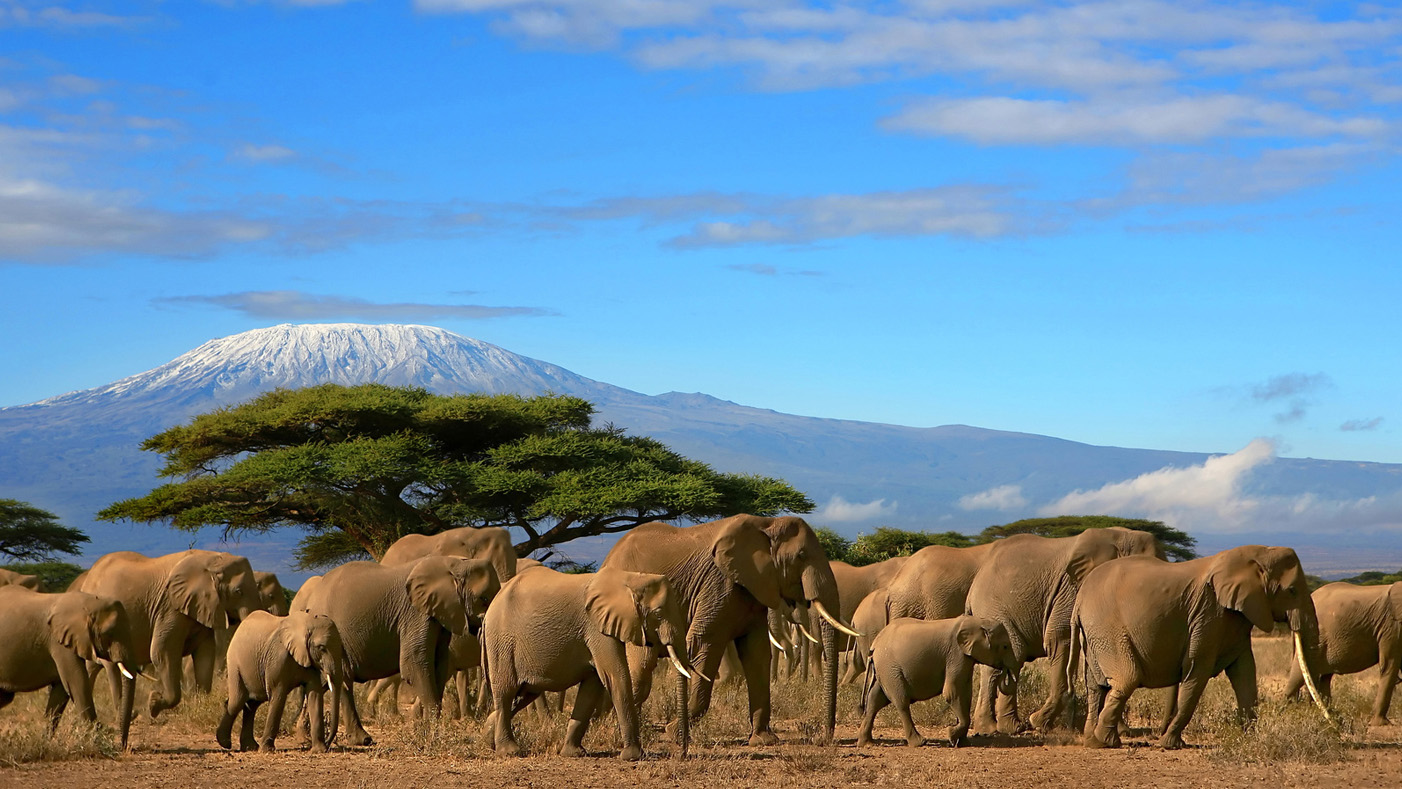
point(914, 660)
point(397, 620)
point(174, 603)
point(1144, 623)
point(268, 657)
point(854, 584)
point(45, 641)
point(1028, 584)
point(1359, 627)
point(784, 566)
point(550, 631)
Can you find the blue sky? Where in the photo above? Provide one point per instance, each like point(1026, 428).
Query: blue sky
point(1151, 224)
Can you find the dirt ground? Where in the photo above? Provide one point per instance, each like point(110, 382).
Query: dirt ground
point(180, 751)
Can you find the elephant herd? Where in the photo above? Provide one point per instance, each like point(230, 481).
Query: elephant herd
point(1105, 603)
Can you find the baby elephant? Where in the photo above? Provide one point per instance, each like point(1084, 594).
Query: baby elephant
point(268, 657)
point(913, 660)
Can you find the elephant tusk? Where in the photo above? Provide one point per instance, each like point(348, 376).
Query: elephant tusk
point(832, 620)
point(124, 671)
point(806, 634)
point(328, 684)
point(1309, 680)
point(776, 643)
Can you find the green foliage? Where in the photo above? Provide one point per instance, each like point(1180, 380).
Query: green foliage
point(1373, 578)
point(886, 543)
point(359, 467)
point(54, 576)
point(1177, 544)
point(835, 546)
point(29, 534)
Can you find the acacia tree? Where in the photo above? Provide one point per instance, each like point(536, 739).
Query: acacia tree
point(1179, 545)
point(359, 467)
point(30, 534)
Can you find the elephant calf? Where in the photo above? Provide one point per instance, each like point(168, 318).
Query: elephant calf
point(268, 657)
point(549, 631)
point(913, 660)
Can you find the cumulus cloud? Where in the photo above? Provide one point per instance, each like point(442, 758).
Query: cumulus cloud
point(296, 305)
point(1213, 498)
point(1361, 425)
point(840, 510)
point(1003, 497)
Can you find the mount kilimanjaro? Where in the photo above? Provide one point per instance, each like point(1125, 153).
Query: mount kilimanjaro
point(76, 453)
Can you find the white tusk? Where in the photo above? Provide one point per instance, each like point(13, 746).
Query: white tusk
point(832, 620)
point(328, 683)
point(676, 661)
point(776, 643)
point(124, 671)
point(806, 634)
point(1309, 681)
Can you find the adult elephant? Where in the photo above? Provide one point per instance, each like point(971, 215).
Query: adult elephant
point(45, 640)
point(12, 578)
point(728, 573)
point(853, 586)
point(490, 543)
point(1028, 583)
point(934, 582)
point(174, 604)
point(1151, 624)
point(1359, 627)
point(397, 620)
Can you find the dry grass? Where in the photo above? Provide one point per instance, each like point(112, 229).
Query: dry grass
point(25, 737)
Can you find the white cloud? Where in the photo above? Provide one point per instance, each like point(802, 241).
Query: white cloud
point(296, 305)
point(1211, 498)
point(840, 510)
point(1003, 497)
point(264, 153)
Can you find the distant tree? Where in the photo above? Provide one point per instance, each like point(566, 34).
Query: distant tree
point(1372, 578)
point(29, 534)
point(887, 543)
point(835, 546)
point(359, 467)
point(55, 576)
point(1179, 545)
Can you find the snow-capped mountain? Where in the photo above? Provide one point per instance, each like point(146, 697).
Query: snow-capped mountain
point(76, 453)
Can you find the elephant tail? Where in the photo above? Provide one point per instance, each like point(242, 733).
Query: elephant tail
point(1078, 653)
point(868, 682)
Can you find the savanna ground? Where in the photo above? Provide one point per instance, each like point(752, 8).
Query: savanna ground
point(1289, 745)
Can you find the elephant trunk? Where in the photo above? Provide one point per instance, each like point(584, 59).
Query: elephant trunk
point(683, 715)
point(819, 586)
point(124, 712)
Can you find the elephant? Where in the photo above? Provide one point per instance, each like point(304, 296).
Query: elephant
point(1359, 627)
point(549, 631)
point(491, 543)
point(174, 604)
point(269, 656)
point(1143, 623)
point(934, 582)
point(1028, 583)
point(271, 592)
point(45, 640)
point(869, 619)
point(274, 601)
point(396, 620)
point(12, 578)
point(728, 572)
point(853, 586)
point(917, 659)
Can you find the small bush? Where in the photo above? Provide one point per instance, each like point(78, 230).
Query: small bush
point(27, 740)
point(1283, 733)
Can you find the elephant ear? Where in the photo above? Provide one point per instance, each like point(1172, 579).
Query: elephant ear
point(968, 634)
point(434, 591)
point(613, 606)
point(190, 588)
point(1091, 549)
point(1394, 600)
point(1240, 585)
point(72, 624)
point(742, 552)
point(295, 632)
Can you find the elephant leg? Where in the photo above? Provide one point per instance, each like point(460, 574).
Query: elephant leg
point(54, 706)
point(1045, 717)
point(355, 730)
point(586, 700)
point(1095, 702)
point(1107, 727)
point(73, 677)
point(315, 699)
point(1189, 692)
point(238, 695)
point(248, 742)
point(165, 662)
point(1170, 708)
point(753, 649)
point(612, 669)
point(114, 678)
point(1387, 682)
point(1005, 705)
point(876, 701)
point(203, 660)
point(276, 701)
point(5, 698)
point(984, 720)
point(504, 693)
point(900, 699)
point(1242, 675)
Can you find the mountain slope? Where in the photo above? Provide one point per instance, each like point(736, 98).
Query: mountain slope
point(76, 453)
